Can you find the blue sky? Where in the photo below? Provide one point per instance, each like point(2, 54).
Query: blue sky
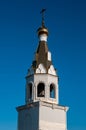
point(66, 21)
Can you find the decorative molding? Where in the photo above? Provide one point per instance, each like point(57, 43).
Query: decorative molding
point(41, 69)
point(51, 70)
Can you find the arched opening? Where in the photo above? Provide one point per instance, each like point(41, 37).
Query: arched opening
point(30, 91)
point(40, 90)
point(52, 91)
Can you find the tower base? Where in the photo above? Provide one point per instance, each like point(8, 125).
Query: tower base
point(42, 116)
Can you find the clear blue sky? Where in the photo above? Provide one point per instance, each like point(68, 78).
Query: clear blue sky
point(66, 21)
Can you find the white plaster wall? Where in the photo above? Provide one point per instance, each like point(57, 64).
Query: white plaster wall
point(29, 79)
point(42, 116)
point(52, 119)
point(28, 119)
point(47, 80)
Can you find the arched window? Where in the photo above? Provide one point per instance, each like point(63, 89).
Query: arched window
point(40, 90)
point(30, 91)
point(52, 91)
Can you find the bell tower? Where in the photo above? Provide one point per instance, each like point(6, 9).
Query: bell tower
point(42, 110)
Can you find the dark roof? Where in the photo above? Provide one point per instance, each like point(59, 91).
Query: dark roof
point(42, 56)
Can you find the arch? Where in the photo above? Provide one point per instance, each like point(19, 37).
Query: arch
point(52, 91)
point(29, 91)
point(41, 90)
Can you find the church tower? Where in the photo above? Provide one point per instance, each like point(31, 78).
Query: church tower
point(42, 110)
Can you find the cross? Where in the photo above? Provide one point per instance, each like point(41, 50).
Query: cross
point(42, 12)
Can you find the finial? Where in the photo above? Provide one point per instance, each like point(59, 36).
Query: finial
point(42, 12)
point(42, 31)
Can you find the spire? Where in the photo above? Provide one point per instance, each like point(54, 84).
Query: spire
point(42, 12)
point(42, 31)
point(42, 54)
point(43, 61)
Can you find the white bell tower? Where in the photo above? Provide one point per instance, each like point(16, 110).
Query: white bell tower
point(42, 110)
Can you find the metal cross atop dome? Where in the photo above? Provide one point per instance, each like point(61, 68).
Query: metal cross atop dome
point(42, 12)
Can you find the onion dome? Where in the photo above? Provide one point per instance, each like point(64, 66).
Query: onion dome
point(42, 33)
point(42, 30)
